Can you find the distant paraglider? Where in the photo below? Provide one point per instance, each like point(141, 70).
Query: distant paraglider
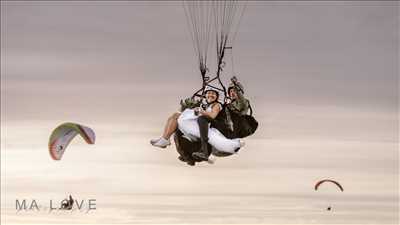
point(63, 135)
point(329, 208)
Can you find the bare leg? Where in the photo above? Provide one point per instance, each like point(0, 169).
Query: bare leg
point(171, 126)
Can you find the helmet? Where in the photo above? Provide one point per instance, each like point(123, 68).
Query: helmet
point(208, 88)
point(238, 86)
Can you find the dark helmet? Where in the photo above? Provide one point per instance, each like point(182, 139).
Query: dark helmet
point(238, 85)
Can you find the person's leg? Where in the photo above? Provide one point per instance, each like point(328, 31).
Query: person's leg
point(169, 129)
point(203, 122)
point(171, 126)
point(223, 144)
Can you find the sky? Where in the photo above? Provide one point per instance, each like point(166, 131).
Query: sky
point(322, 77)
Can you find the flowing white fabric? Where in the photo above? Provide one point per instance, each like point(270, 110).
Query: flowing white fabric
point(187, 124)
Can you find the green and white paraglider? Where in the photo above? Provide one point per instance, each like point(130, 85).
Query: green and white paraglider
point(63, 135)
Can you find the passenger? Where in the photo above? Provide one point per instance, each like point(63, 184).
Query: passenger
point(189, 126)
point(238, 104)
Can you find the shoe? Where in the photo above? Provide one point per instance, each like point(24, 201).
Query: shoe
point(210, 161)
point(181, 158)
point(155, 140)
point(200, 155)
point(242, 143)
point(191, 163)
point(162, 143)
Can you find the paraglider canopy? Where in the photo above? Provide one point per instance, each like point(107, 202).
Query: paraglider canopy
point(63, 135)
point(328, 180)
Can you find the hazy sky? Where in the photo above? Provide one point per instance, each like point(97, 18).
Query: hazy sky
point(322, 77)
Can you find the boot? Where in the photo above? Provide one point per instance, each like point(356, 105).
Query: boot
point(203, 154)
point(203, 122)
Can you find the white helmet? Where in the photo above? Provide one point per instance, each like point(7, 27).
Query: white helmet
point(208, 88)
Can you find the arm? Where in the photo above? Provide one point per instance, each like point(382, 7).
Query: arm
point(214, 111)
point(241, 104)
point(240, 94)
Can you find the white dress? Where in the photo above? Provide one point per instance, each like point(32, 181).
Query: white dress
point(187, 124)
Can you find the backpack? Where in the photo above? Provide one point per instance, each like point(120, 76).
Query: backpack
point(244, 125)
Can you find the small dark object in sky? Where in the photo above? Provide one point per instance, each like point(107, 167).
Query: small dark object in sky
point(329, 208)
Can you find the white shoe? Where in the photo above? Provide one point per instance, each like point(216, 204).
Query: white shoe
point(162, 143)
point(242, 143)
point(155, 140)
point(211, 160)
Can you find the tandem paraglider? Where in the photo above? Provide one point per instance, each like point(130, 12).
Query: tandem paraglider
point(214, 120)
